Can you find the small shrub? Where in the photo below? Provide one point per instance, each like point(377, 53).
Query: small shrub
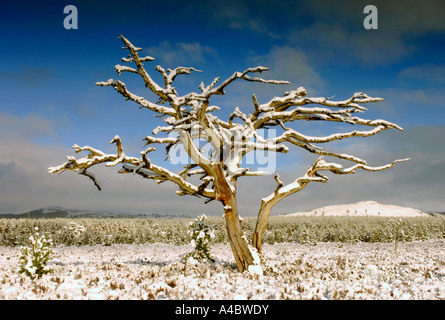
point(201, 233)
point(34, 259)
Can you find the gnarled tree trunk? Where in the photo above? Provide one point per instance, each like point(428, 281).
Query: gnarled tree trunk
point(238, 243)
point(261, 224)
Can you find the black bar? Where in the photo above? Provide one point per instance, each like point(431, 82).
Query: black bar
point(220, 309)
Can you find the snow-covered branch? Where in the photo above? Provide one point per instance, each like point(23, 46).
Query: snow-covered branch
point(211, 90)
point(149, 82)
point(120, 87)
point(172, 74)
point(94, 157)
point(312, 175)
point(142, 166)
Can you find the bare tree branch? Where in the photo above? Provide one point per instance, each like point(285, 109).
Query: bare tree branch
point(241, 75)
point(120, 87)
point(312, 175)
point(141, 166)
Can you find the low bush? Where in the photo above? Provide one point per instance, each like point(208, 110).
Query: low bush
point(34, 258)
point(92, 231)
point(201, 234)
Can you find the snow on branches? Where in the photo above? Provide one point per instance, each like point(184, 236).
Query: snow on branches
point(191, 118)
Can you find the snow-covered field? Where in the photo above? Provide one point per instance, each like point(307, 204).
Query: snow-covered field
point(292, 271)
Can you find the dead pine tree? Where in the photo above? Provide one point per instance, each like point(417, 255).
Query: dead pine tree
point(190, 119)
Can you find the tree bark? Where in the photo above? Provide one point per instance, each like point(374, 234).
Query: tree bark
point(261, 223)
point(238, 242)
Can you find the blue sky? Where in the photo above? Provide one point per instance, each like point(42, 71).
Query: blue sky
point(49, 101)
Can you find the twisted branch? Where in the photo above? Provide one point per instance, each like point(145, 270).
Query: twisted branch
point(312, 175)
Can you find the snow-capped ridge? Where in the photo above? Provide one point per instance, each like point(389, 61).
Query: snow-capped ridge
point(363, 208)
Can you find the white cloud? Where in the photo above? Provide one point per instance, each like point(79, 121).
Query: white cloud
point(427, 104)
point(238, 15)
point(27, 75)
point(406, 17)
point(338, 34)
point(182, 53)
point(335, 43)
point(431, 74)
point(294, 65)
point(29, 127)
point(25, 183)
point(331, 30)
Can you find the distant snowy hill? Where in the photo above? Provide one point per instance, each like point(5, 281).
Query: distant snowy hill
point(59, 212)
point(364, 208)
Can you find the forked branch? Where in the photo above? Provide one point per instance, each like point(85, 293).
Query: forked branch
point(312, 175)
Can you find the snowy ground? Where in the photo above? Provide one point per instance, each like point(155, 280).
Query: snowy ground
point(292, 271)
